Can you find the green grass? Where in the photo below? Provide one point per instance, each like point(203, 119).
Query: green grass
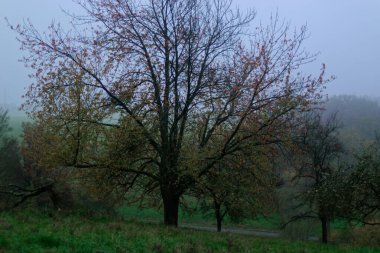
point(29, 231)
point(305, 229)
point(196, 217)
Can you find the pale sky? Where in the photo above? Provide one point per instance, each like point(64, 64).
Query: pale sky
point(346, 33)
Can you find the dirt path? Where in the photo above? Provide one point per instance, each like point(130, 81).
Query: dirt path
point(232, 230)
point(241, 231)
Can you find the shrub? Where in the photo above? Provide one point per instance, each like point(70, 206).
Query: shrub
point(359, 236)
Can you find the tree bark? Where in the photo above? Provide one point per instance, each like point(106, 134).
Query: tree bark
point(325, 229)
point(171, 207)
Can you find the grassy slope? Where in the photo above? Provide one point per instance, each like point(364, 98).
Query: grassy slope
point(28, 231)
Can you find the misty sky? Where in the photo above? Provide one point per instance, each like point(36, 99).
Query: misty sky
point(345, 33)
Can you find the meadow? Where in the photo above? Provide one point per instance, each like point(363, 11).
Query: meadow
point(32, 231)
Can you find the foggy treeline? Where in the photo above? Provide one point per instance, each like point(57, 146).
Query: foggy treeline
point(359, 118)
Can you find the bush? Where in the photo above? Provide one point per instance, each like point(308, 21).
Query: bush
point(359, 236)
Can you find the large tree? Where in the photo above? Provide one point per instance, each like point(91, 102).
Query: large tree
point(177, 72)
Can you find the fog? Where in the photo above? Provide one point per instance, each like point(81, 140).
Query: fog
point(346, 35)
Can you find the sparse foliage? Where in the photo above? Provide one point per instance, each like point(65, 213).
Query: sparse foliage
point(318, 169)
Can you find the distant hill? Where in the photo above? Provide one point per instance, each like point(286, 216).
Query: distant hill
point(360, 117)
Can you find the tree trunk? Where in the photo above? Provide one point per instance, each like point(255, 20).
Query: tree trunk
point(325, 229)
point(171, 207)
point(219, 224)
point(218, 216)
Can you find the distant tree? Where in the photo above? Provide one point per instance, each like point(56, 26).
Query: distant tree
point(10, 157)
point(318, 150)
point(361, 196)
point(11, 162)
point(4, 122)
point(11, 171)
point(171, 67)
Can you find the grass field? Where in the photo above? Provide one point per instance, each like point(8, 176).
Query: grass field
point(29, 231)
point(270, 223)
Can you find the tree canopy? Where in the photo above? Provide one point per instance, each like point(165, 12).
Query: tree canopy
point(186, 84)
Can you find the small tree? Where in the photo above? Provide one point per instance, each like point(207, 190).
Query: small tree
point(242, 187)
point(361, 196)
point(319, 148)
